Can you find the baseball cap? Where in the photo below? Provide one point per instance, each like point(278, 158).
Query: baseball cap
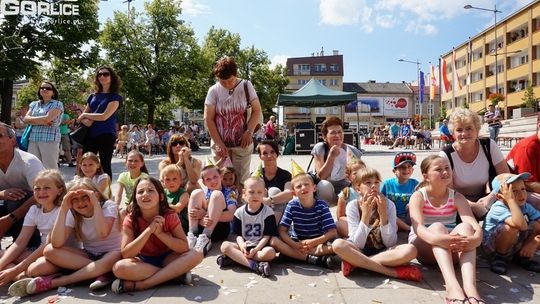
point(404, 157)
point(507, 178)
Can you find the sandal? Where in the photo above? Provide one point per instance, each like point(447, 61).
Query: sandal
point(409, 272)
point(119, 286)
point(527, 264)
point(499, 265)
point(478, 301)
point(456, 301)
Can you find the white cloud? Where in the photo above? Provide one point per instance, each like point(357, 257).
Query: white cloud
point(421, 28)
point(279, 59)
point(385, 21)
point(194, 8)
point(343, 12)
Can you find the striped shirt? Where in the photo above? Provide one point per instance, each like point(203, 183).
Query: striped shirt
point(308, 222)
point(445, 214)
point(41, 133)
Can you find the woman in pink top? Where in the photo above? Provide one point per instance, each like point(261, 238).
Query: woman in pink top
point(270, 128)
point(433, 210)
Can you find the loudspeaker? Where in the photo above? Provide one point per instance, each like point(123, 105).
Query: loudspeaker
point(349, 138)
point(304, 140)
point(345, 125)
point(318, 127)
point(319, 119)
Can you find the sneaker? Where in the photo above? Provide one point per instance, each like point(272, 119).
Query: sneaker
point(409, 272)
point(117, 286)
point(263, 268)
point(223, 261)
point(499, 265)
point(527, 263)
point(346, 268)
point(191, 240)
point(203, 244)
point(18, 289)
point(101, 281)
point(186, 278)
point(39, 284)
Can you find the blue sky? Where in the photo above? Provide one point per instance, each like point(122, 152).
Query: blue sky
point(370, 34)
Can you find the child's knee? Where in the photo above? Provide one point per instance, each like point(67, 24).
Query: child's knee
point(339, 245)
point(226, 247)
point(465, 229)
point(48, 250)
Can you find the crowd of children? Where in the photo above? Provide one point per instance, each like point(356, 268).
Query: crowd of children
point(154, 231)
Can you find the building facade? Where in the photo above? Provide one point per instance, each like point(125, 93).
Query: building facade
point(502, 59)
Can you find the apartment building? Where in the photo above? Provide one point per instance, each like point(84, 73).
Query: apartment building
point(504, 58)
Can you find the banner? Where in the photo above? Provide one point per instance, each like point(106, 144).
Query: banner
point(457, 81)
point(365, 106)
point(446, 82)
point(432, 83)
point(396, 106)
point(421, 88)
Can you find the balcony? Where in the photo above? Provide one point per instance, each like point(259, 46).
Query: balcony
point(514, 99)
point(517, 72)
point(536, 66)
point(298, 72)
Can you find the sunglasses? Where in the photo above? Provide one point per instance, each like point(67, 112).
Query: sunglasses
point(404, 156)
point(104, 74)
point(176, 143)
point(46, 88)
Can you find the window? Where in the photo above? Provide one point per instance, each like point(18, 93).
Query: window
point(320, 67)
point(334, 67)
point(302, 81)
point(430, 109)
point(333, 82)
point(416, 108)
point(335, 110)
point(320, 111)
point(322, 81)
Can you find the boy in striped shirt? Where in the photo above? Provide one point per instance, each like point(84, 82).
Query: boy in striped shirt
point(307, 227)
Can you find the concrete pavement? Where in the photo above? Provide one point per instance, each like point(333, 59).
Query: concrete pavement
point(300, 283)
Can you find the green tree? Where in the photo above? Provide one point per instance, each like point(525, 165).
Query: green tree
point(443, 113)
point(28, 41)
point(156, 55)
point(529, 100)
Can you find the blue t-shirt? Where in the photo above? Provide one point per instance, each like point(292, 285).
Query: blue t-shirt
point(405, 130)
point(443, 129)
point(398, 193)
point(308, 223)
point(499, 212)
point(229, 194)
point(98, 103)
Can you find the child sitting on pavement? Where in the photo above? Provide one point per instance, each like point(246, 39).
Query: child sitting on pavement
point(210, 210)
point(172, 178)
point(512, 226)
point(254, 224)
point(400, 188)
point(346, 195)
point(307, 226)
point(373, 233)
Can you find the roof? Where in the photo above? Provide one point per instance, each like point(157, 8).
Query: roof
point(314, 94)
point(376, 88)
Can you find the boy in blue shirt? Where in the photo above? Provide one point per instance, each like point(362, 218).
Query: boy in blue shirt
point(512, 226)
point(400, 188)
point(308, 239)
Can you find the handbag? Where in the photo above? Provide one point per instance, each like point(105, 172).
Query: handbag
point(79, 135)
point(25, 138)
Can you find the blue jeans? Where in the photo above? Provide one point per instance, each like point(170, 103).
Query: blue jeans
point(494, 133)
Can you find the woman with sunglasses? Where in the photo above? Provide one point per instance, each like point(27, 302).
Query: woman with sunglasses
point(45, 116)
point(179, 152)
point(100, 115)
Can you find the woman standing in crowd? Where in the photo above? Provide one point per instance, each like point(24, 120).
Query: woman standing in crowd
point(45, 116)
point(470, 154)
point(100, 115)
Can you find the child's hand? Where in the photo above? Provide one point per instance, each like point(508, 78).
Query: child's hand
point(197, 213)
point(207, 221)
point(7, 276)
point(458, 243)
point(381, 202)
point(91, 194)
point(366, 204)
point(507, 193)
point(160, 221)
point(66, 201)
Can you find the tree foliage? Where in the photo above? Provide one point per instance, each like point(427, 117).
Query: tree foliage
point(155, 53)
point(28, 41)
point(529, 100)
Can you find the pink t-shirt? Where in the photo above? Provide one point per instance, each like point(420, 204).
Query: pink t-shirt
point(270, 128)
point(154, 246)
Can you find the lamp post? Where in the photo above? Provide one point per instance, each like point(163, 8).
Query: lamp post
point(418, 83)
point(494, 11)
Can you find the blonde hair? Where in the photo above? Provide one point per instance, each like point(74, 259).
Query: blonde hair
point(88, 184)
point(173, 168)
point(57, 179)
point(93, 157)
point(461, 115)
point(299, 177)
point(254, 179)
point(349, 171)
point(226, 170)
point(366, 173)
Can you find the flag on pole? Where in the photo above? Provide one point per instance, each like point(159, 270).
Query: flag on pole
point(457, 81)
point(446, 82)
point(421, 88)
point(432, 83)
point(469, 61)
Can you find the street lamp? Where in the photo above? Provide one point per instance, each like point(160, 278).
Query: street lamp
point(418, 79)
point(494, 11)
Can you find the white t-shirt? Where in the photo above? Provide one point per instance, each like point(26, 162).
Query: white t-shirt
point(91, 241)
point(44, 222)
point(21, 171)
point(470, 179)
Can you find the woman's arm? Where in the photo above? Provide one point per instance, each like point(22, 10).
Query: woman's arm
point(43, 120)
point(193, 167)
point(209, 119)
point(109, 110)
point(118, 195)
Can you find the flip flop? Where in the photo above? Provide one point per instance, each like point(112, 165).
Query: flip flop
point(479, 301)
point(456, 301)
